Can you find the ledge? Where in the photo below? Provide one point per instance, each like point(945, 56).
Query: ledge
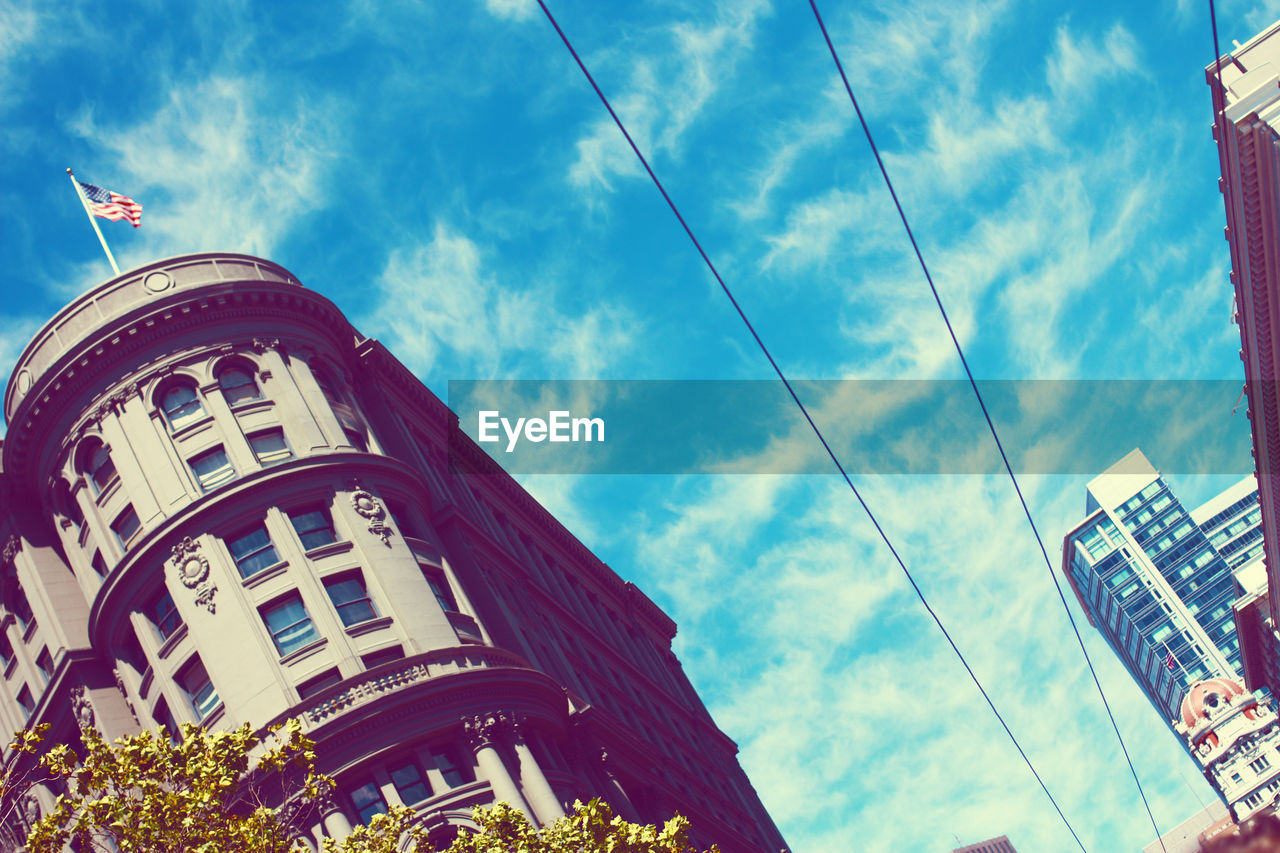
point(305, 652)
point(171, 642)
point(368, 626)
point(340, 546)
point(274, 570)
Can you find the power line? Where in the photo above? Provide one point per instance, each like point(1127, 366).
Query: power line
point(985, 413)
point(804, 411)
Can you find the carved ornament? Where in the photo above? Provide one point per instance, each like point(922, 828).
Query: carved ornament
point(192, 568)
point(371, 510)
point(81, 706)
point(486, 730)
point(12, 545)
point(261, 345)
point(124, 693)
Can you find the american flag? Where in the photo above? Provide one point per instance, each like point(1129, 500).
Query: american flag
point(109, 205)
point(1169, 661)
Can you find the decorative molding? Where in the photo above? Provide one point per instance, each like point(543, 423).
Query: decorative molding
point(82, 707)
point(124, 693)
point(31, 807)
point(12, 545)
point(192, 568)
point(261, 345)
point(487, 730)
point(371, 510)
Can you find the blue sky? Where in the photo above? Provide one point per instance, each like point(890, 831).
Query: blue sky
point(444, 174)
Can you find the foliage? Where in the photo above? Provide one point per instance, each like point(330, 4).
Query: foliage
point(147, 794)
point(591, 828)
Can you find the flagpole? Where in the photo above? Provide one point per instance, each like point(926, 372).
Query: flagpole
point(87, 212)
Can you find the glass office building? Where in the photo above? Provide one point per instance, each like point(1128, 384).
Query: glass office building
point(1158, 580)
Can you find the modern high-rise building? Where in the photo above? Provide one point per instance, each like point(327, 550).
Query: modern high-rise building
point(1158, 581)
point(1245, 86)
point(221, 504)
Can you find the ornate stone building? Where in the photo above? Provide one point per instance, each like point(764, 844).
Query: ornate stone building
point(1235, 739)
point(221, 504)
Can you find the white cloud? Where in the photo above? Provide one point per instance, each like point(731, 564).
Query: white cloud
point(224, 163)
point(439, 297)
point(511, 10)
point(667, 92)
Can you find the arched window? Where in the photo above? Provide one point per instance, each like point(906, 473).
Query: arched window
point(238, 386)
point(95, 462)
point(181, 406)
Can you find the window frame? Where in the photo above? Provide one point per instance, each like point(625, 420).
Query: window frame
point(350, 577)
point(207, 483)
point(372, 805)
point(284, 446)
point(224, 388)
point(158, 618)
point(240, 560)
point(206, 689)
point(312, 509)
point(182, 415)
point(278, 604)
point(116, 526)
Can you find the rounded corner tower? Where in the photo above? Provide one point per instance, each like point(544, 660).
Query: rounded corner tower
point(219, 504)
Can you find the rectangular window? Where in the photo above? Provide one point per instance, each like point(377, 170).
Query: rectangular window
point(195, 681)
point(163, 614)
point(324, 680)
point(99, 564)
point(212, 468)
point(440, 589)
point(126, 526)
point(252, 550)
point(164, 720)
point(382, 656)
point(289, 624)
point(368, 801)
point(26, 700)
point(348, 595)
point(1260, 764)
point(270, 447)
point(453, 773)
point(6, 650)
point(410, 783)
point(314, 527)
point(45, 663)
point(22, 610)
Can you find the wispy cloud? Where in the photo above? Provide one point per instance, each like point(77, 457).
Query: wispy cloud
point(666, 93)
point(440, 297)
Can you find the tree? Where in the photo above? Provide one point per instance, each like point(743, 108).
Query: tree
point(591, 828)
point(147, 794)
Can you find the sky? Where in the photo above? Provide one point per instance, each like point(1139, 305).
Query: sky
point(443, 172)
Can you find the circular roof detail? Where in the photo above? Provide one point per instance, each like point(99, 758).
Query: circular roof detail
point(1207, 698)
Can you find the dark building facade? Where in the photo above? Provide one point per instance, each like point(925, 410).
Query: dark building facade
point(221, 504)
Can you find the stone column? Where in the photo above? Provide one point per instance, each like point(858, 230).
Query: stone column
point(623, 802)
point(536, 787)
point(336, 823)
point(484, 733)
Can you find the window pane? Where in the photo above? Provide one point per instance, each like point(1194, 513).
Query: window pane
point(453, 774)
point(181, 406)
point(163, 614)
point(253, 552)
point(238, 386)
point(290, 625)
point(101, 468)
point(126, 525)
point(270, 447)
point(368, 801)
point(348, 596)
point(314, 528)
point(410, 784)
point(440, 588)
point(195, 681)
point(212, 468)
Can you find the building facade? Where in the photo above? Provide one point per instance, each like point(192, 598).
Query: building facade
point(991, 845)
point(1245, 87)
point(1151, 578)
point(1235, 739)
point(220, 504)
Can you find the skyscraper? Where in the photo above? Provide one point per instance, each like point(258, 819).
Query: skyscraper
point(1151, 578)
point(1246, 127)
point(221, 504)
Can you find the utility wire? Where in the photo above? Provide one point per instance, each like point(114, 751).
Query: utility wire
point(985, 413)
point(804, 411)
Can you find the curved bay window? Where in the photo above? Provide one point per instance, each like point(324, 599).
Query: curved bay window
point(181, 406)
point(289, 623)
point(238, 386)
